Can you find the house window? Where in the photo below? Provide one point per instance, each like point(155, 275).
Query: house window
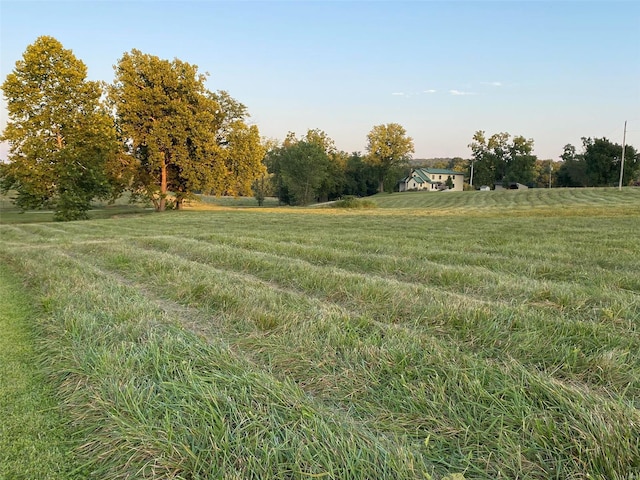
point(439, 177)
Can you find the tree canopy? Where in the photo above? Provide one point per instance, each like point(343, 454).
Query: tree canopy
point(301, 167)
point(181, 137)
point(598, 165)
point(502, 159)
point(62, 141)
point(388, 146)
point(334, 181)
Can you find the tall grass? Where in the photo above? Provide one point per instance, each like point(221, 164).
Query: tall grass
point(390, 343)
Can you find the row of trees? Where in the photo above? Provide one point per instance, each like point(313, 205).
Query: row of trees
point(598, 165)
point(311, 168)
point(160, 134)
point(156, 130)
point(501, 158)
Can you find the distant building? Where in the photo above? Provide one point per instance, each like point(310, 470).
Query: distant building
point(432, 180)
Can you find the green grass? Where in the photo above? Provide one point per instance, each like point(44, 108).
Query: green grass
point(439, 336)
point(33, 433)
point(512, 201)
point(10, 214)
point(225, 201)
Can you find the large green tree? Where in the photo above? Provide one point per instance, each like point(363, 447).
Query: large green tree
point(299, 168)
point(520, 161)
point(500, 158)
point(244, 150)
point(360, 177)
point(487, 164)
point(62, 142)
point(334, 182)
point(598, 165)
point(572, 171)
point(602, 159)
point(244, 155)
point(388, 147)
point(181, 137)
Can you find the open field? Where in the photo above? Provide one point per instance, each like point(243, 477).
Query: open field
point(491, 334)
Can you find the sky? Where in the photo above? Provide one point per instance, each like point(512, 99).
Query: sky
point(552, 71)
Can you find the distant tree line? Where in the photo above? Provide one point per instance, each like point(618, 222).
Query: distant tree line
point(158, 133)
point(503, 159)
point(598, 165)
point(312, 169)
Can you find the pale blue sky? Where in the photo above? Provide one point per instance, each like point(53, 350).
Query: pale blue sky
point(551, 71)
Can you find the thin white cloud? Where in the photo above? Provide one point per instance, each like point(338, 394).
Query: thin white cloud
point(493, 84)
point(429, 91)
point(458, 92)
point(398, 94)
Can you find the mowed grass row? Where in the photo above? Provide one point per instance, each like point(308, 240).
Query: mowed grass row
point(538, 334)
point(538, 198)
point(372, 319)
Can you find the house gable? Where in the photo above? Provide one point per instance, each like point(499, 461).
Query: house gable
point(431, 179)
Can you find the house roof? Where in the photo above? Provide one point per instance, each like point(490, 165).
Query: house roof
point(439, 171)
point(420, 176)
point(408, 179)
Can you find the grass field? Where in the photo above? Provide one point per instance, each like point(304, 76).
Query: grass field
point(9, 213)
point(489, 334)
point(33, 434)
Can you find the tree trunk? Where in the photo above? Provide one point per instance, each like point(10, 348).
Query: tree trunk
point(163, 187)
point(381, 185)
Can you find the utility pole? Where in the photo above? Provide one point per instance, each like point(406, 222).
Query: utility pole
point(624, 138)
point(471, 179)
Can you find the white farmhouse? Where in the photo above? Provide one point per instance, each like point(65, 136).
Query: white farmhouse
point(432, 180)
